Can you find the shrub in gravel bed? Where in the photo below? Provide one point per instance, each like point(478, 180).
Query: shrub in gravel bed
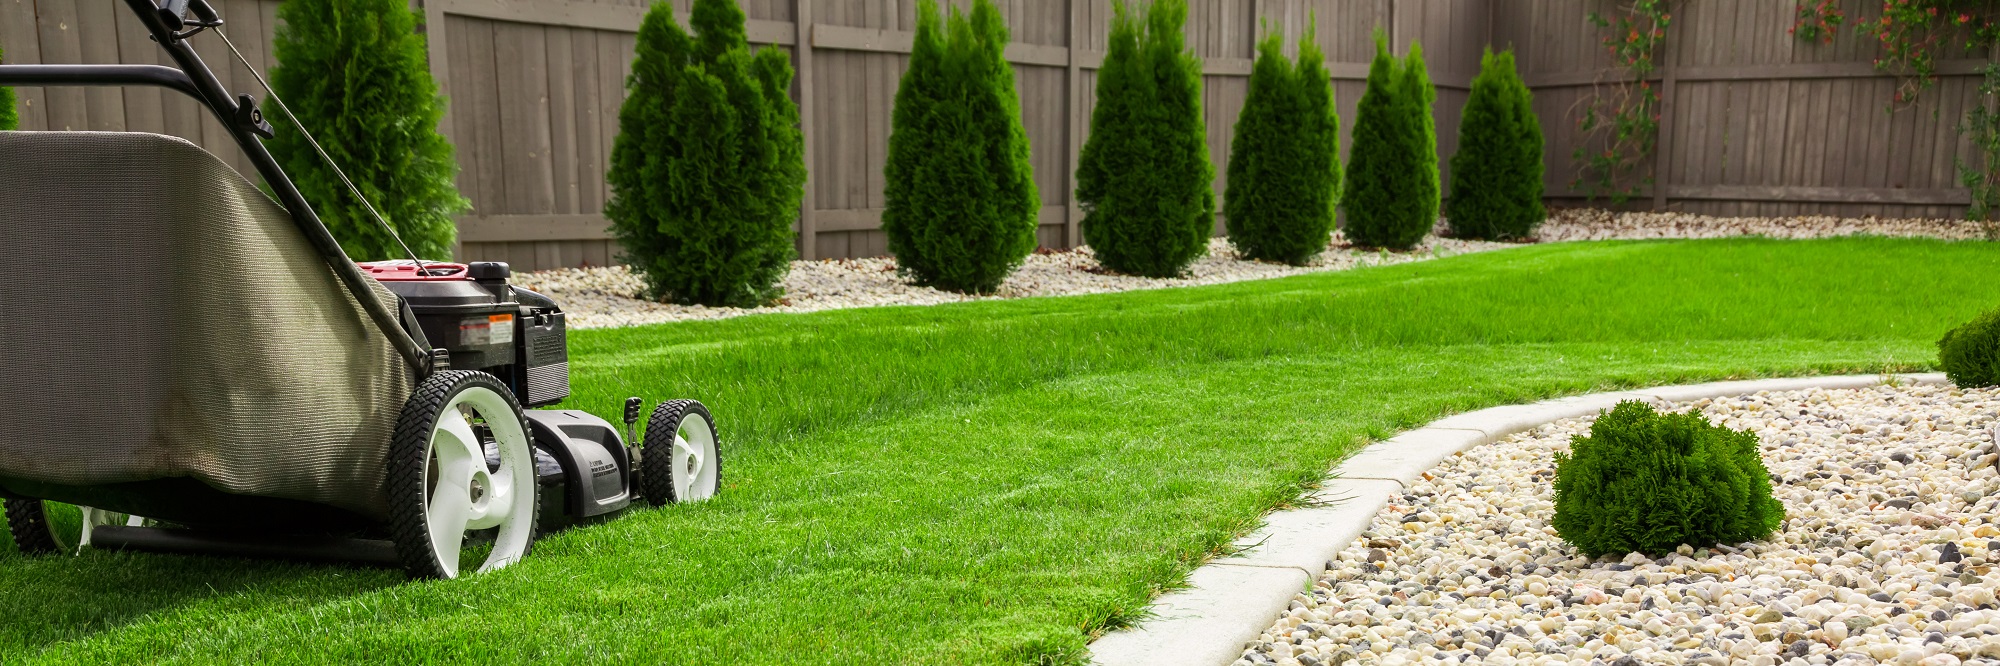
point(708, 169)
point(1284, 165)
point(1645, 482)
point(358, 75)
point(961, 200)
point(1496, 176)
point(1389, 199)
point(1970, 354)
point(1144, 180)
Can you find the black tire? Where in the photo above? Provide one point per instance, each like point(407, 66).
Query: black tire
point(409, 461)
point(28, 522)
point(656, 456)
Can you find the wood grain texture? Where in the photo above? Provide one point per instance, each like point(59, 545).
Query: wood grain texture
point(1753, 122)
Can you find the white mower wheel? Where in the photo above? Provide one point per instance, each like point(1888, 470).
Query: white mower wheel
point(682, 457)
point(49, 528)
point(442, 489)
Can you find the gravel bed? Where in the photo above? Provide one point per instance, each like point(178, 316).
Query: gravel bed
point(1581, 224)
point(608, 296)
point(1886, 555)
point(605, 297)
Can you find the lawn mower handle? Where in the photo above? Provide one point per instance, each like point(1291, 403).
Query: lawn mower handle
point(245, 125)
point(99, 75)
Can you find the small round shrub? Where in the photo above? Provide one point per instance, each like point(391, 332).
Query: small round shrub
point(1970, 353)
point(1646, 482)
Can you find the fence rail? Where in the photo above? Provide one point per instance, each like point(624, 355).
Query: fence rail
point(1755, 122)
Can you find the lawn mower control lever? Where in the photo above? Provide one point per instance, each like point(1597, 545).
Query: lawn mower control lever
point(250, 118)
point(632, 407)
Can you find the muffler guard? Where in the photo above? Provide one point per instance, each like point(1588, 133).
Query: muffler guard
point(596, 467)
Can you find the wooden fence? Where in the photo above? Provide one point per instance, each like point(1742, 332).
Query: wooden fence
point(1757, 122)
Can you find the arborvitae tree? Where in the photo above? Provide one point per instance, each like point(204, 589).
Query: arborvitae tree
point(1389, 200)
point(1417, 97)
point(357, 74)
point(1496, 176)
point(708, 169)
point(1145, 182)
point(9, 118)
point(961, 200)
point(1284, 167)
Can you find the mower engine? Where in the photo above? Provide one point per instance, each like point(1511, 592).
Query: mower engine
point(488, 325)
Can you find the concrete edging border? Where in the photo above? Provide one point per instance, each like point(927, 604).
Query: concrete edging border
point(1230, 601)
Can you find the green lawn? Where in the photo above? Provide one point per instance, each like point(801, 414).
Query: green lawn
point(994, 482)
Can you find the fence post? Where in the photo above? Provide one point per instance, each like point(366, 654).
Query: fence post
point(434, 43)
point(1073, 140)
point(1663, 148)
point(802, 19)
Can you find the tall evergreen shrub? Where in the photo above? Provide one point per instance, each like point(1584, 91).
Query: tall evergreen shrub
point(357, 74)
point(9, 117)
point(1417, 98)
point(1496, 175)
point(962, 205)
point(708, 169)
point(1391, 192)
point(1645, 482)
point(1284, 167)
point(1145, 178)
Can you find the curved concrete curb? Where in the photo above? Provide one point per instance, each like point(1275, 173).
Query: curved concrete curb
point(1229, 602)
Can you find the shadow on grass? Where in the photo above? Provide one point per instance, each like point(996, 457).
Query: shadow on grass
point(52, 600)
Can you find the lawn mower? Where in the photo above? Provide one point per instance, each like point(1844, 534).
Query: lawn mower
point(197, 366)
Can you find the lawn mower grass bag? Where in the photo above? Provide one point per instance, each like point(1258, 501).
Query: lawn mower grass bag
point(170, 333)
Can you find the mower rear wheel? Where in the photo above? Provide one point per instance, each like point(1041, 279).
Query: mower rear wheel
point(33, 530)
point(41, 527)
point(682, 457)
point(461, 475)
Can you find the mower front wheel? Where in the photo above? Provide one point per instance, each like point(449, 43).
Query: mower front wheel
point(682, 457)
point(461, 478)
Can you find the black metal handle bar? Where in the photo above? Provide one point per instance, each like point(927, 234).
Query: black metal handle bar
point(99, 75)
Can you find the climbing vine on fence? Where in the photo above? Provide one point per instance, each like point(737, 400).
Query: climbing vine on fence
point(1626, 112)
point(1979, 175)
point(1913, 34)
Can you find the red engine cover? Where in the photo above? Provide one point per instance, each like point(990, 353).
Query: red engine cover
point(406, 271)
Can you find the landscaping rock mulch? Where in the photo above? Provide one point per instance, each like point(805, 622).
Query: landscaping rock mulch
point(1581, 224)
point(609, 296)
point(605, 297)
point(1887, 554)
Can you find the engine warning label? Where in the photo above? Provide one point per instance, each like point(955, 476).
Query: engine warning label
point(493, 330)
